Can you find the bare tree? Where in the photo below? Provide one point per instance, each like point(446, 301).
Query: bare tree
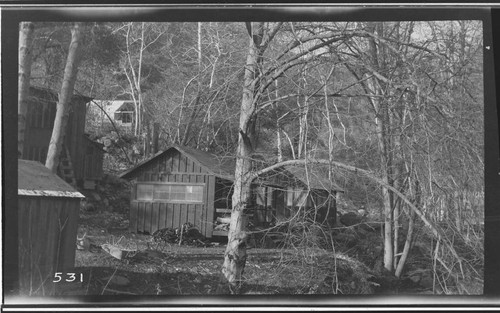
point(61, 119)
point(26, 30)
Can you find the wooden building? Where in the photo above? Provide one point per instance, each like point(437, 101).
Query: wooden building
point(78, 150)
point(182, 184)
point(48, 210)
point(122, 112)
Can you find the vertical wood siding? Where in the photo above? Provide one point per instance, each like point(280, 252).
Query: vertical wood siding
point(92, 159)
point(149, 216)
point(40, 121)
point(47, 241)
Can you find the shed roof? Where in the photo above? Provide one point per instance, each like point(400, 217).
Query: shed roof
point(112, 106)
point(49, 94)
point(222, 167)
point(316, 177)
point(34, 179)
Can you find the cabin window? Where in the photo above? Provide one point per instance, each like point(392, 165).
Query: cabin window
point(296, 197)
point(170, 192)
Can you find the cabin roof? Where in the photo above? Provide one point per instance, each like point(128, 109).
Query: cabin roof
point(220, 166)
point(112, 106)
point(52, 95)
point(116, 105)
point(224, 166)
point(34, 179)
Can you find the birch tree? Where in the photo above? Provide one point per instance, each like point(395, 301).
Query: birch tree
point(68, 84)
point(257, 78)
point(26, 30)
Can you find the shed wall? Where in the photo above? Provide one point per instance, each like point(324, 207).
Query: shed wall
point(47, 241)
point(40, 121)
point(92, 160)
point(174, 167)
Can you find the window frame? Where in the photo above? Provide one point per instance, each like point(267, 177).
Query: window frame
point(152, 184)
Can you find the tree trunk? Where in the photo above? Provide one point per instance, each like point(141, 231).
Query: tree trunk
point(26, 31)
point(68, 84)
point(147, 142)
point(235, 255)
point(192, 118)
point(409, 234)
point(381, 121)
point(156, 134)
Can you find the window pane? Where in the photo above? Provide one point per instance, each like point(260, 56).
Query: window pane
point(161, 192)
point(182, 193)
point(199, 196)
point(144, 192)
point(178, 188)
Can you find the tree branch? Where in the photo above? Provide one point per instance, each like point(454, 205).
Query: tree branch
point(371, 176)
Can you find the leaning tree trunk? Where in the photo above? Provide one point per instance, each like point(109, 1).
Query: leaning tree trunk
point(236, 255)
point(25, 42)
point(68, 85)
point(381, 121)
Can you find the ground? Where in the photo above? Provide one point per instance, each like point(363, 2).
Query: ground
point(170, 269)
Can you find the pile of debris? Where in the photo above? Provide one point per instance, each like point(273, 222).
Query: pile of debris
point(222, 223)
point(187, 235)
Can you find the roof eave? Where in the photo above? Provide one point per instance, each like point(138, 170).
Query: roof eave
point(49, 193)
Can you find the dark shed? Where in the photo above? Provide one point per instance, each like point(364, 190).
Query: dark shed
point(48, 210)
point(183, 184)
point(174, 187)
point(40, 117)
point(310, 186)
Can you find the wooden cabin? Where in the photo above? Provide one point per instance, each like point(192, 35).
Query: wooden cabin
point(48, 210)
point(182, 184)
point(122, 112)
point(309, 188)
point(79, 154)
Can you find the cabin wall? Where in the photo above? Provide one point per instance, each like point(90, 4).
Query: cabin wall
point(40, 122)
point(74, 139)
point(47, 233)
point(92, 160)
point(322, 201)
point(149, 216)
point(40, 116)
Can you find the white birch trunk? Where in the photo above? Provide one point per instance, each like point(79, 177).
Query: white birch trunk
point(26, 31)
point(68, 85)
point(236, 255)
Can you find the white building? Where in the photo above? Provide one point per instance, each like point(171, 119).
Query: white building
point(122, 112)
